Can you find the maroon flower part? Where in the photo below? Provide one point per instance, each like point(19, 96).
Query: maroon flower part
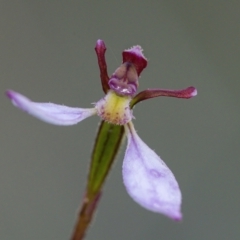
point(100, 51)
point(147, 179)
point(135, 55)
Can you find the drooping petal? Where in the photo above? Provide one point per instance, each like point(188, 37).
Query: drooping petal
point(50, 112)
point(147, 178)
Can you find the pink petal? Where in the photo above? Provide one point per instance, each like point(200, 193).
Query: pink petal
point(148, 180)
point(50, 112)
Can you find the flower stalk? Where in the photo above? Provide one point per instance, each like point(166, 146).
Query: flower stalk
point(85, 216)
point(107, 144)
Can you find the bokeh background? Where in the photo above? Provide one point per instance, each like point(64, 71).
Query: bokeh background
point(47, 53)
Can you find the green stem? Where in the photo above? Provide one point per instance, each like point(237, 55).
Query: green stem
point(107, 144)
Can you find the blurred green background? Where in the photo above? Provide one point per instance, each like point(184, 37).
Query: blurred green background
point(47, 53)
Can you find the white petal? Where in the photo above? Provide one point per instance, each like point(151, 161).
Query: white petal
point(147, 178)
point(50, 112)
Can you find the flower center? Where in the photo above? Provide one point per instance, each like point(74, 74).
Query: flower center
point(124, 80)
point(114, 108)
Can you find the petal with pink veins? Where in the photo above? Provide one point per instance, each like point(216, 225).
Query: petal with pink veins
point(50, 112)
point(147, 178)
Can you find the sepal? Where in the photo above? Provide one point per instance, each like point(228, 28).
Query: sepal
point(186, 93)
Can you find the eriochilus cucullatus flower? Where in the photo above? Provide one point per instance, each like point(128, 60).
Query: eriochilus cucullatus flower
point(146, 177)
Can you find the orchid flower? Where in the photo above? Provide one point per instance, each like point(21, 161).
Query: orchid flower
point(147, 179)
